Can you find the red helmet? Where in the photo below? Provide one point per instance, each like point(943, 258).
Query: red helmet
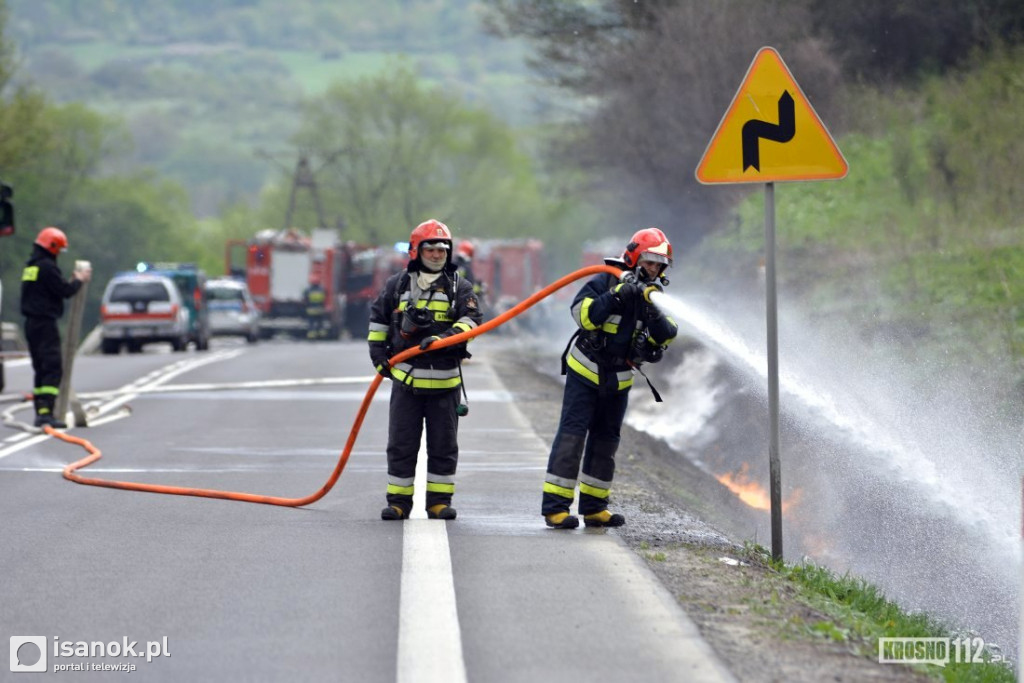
point(429, 231)
point(465, 249)
point(650, 244)
point(52, 240)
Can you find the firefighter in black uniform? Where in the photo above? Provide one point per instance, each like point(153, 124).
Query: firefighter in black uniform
point(619, 329)
point(418, 306)
point(43, 290)
point(315, 300)
point(463, 261)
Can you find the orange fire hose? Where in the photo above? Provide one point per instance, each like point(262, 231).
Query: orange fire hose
point(95, 454)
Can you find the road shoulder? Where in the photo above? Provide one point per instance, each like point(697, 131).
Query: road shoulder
point(690, 530)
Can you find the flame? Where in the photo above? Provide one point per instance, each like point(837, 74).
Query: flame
point(752, 493)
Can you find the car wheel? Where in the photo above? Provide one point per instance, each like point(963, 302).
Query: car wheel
point(180, 344)
point(110, 347)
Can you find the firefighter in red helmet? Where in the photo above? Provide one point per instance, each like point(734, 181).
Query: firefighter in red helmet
point(43, 290)
point(464, 261)
point(619, 329)
point(426, 302)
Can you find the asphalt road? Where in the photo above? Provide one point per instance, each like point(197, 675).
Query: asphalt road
point(240, 591)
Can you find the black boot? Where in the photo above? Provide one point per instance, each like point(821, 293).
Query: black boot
point(44, 412)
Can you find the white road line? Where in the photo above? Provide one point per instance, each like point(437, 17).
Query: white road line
point(154, 378)
point(229, 386)
point(20, 436)
point(429, 636)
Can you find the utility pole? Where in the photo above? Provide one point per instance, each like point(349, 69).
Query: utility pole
point(304, 177)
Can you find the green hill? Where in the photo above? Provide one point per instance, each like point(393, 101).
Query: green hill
point(203, 85)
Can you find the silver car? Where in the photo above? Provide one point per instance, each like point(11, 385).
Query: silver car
point(141, 309)
point(232, 310)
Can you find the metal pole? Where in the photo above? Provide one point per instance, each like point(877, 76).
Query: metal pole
point(774, 468)
point(1020, 630)
point(70, 347)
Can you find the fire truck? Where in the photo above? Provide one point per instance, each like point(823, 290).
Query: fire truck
point(278, 266)
point(509, 270)
point(366, 270)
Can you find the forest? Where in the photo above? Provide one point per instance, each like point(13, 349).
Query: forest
point(152, 131)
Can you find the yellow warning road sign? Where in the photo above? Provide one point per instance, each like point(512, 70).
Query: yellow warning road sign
point(770, 132)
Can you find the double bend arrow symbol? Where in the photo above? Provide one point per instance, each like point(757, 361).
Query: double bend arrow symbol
point(755, 129)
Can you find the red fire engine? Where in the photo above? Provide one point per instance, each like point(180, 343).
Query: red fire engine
point(366, 269)
point(278, 266)
point(508, 270)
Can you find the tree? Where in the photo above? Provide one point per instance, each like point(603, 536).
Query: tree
point(394, 152)
point(656, 78)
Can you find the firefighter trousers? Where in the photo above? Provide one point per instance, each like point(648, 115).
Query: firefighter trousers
point(409, 412)
point(43, 339)
point(589, 428)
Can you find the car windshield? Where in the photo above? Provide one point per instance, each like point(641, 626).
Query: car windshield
point(224, 294)
point(130, 292)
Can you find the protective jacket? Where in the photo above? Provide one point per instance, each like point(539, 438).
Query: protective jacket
point(596, 396)
point(43, 290)
point(43, 287)
point(403, 315)
point(315, 299)
point(608, 328)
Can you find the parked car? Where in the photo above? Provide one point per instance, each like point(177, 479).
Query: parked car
point(148, 307)
point(233, 312)
point(191, 283)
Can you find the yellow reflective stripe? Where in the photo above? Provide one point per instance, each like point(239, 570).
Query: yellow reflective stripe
point(377, 335)
point(580, 369)
point(440, 488)
point(625, 384)
point(30, 274)
point(434, 305)
point(435, 383)
point(442, 316)
point(560, 491)
point(593, 491)
point(610, 328)
point(462, 327)
point(585, 314)
point(410, 379)
point(400, 490)
point(48, 390)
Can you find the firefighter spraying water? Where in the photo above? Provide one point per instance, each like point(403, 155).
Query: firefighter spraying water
point(620, 329)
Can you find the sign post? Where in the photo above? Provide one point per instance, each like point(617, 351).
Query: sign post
point(770, 133)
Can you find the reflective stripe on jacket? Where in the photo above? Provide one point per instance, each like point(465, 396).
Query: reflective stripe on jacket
point(449, 307)
point(600, 352)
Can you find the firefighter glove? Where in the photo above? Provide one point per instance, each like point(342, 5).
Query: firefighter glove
point(384, 369)
point(649, 289)
point(626, 291)
point(428, 341)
